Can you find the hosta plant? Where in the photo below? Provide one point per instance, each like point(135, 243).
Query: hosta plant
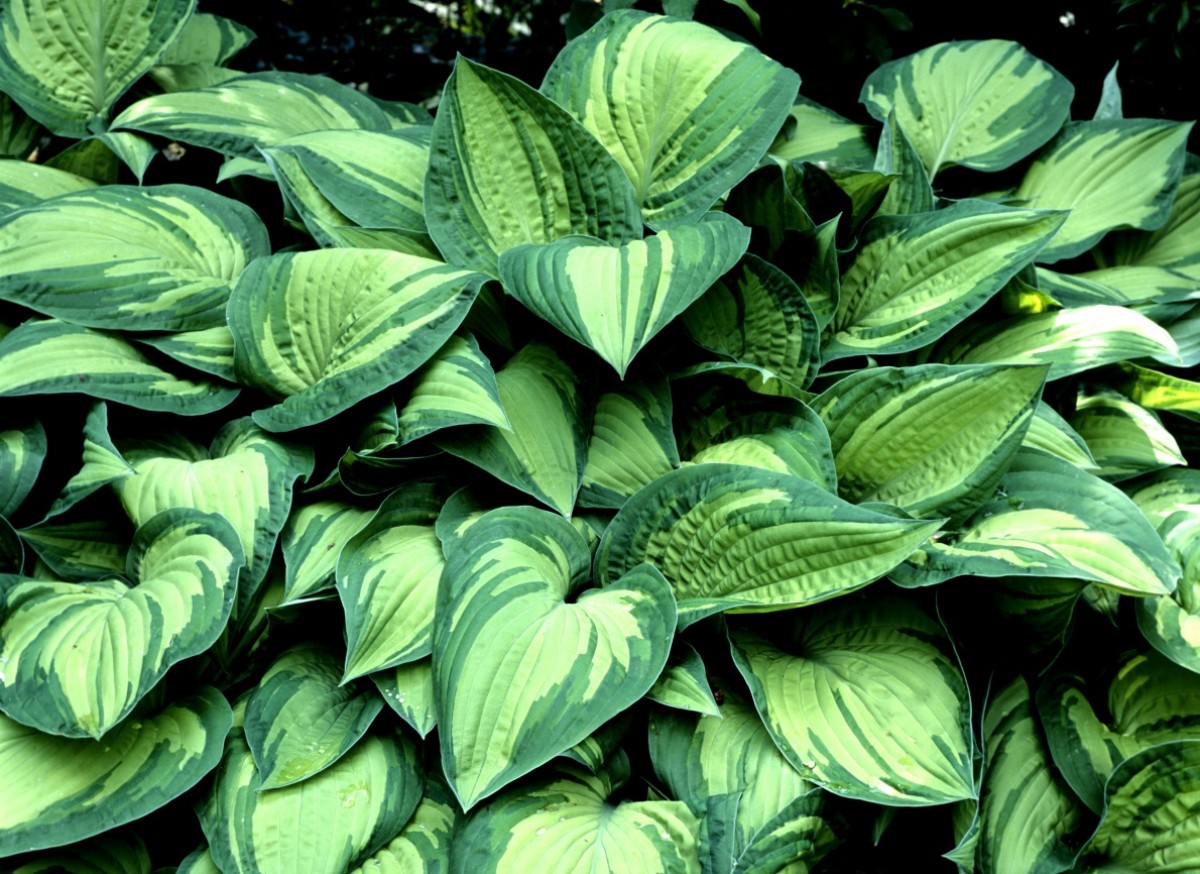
point(646, 470)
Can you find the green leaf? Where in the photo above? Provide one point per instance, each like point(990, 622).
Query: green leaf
point(159, 258)
point(23, 184)
point(112, 853)
point(915, 277)
point(543, 451)
point(320, 331)
point(457, 386)
point(423, 847)
point(324, 825)
point(209, 350)
point(864, 701)
point(312, 541)
point(686, 111)
point(683, 683)
point(930, 439)
point(59, 790)
point(387, 579)
point(18, 132)
point(1051, 433)
point(207, 39)
point(729, 536)
point(67, 66)
point(509, 166)
point(258, 109)
point(52, 357)
point(820, 136)
point(299, 720)
point(983, 104)
point(1159, 391)
point(1124, 438)
point(22, 451)
point(910, 191)
point(1172, 246)
point(408, 690)
point(80, 547)
point(79, 656)
point(632, 443)
point(524, 664)
point(1119, 173)
point(1048, 518)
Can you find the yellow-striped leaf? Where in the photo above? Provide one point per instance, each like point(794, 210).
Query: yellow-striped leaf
point(1172, 246)
point(423, 847)
point(820, 136)
point(207, 39)
point(23, 184)
point(209, 350)
point(457, 386)
point(1052, 434)
point(1124, 438)
point(632, 442)
point(686, 111)
point(22, 451)
point(683, 683)
point(408, 690)
point(312, 541)
point(526, 663)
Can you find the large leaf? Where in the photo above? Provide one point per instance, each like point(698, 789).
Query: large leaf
point(525, 664)
point(864, 701)
point(67, 63)
point(59, 790)
point(23, 183)
point(1119, 173)
point(728, 536)
point(320, 331)
point(979, 104)
point(917, 276)
point(160, 258)
point(931, 439)
point(686, 111)
point(322, 826)
point(508, 166)
point(79, 656)
point(614, 300)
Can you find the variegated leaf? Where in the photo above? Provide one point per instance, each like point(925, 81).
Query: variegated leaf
point(615, 299)
point(457, 386)
point(686, 111)
point(209, 350)
point(864, 701)
point(983, 104)
point(822, 137)
point(79, 656)
point(632, 442)
point(423, 847)
point(1172, 246)
point(525, 664)
point(159, 258)
point(508, 166)
point(312, 541)
point(1124, 438)
point(910, 191)
point(23, 184)
point(320, 331)
point(18, 132)
point(408, 690)
point(207, 39)
point(1052, 434)
point(683, 683)
point(22, 451)
point(115, 852)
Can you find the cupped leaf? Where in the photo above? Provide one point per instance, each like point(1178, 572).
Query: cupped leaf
point(1052, 434)
point(23, 184)
point(983, 104)
point(457, 386)
point(509, 166)
point(321, 331)
point(312, 541)
point(524, 665)
point(22, 451)
point(1116, 173)
point(931, 439)
point(258, 109)
point(60, 790)
point(917, 276)
point(323, 825)
point(423, 847)
point(67, 63)
point(300, 720)
point(865, 701)
point(729, 536)
point(632, 443)
point(1124, 438)
point(683, 683)
point(543, 451)
point(686, 111)
point(910, 191)
point(52, 357)
point(161, 258)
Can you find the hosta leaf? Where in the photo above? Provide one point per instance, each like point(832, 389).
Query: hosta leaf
point(1124, 438)
point(614, 300)
point(75, 548)
point(300, 721)
point(524, 669)
point(728, 536)
point(508, 166)
point(1049, 518)
point(321, 331)
point(983, 104)
point(90, 158)
point(23, 184)
point(12, 550)
point(52, 357)
point(543, 451)
point(821, 136)
point(931, 439)
point(160, 258)
point(917, 276)
point(686, 111)
point(1069, 340)
point(198, 862)
point(1051, 433)
point(102, 464)
point(207, 39)
point(1160, 391)
point(1151, 816)
point(1172, 246)
point(59, 790)
point(457, 386)
point(757, 315)
point(863, 701)
point(324, 825)
point(18, 132)
point(312, 540)
point(111, 853)
point(79, 656)
point(683, 683)
point(408, 690)
point(387, 579)
point(1110, 174)
point(209, 350)
point(568, 824)
point(258, 109)
point(67, 64)
point(1025, 810)
point(22, 451)
point(910, 191)
point(423, 847)
point(632, 443)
